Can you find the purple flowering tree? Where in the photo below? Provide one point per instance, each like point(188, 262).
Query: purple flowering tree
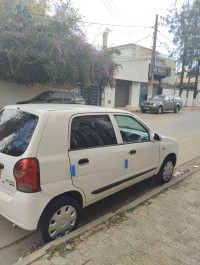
point(37, 47)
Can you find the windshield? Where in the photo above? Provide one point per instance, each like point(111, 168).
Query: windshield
point(160, 98)
point(16, 130)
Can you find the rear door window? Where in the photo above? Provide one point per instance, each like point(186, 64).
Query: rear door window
point(92, 131)
point(16, 130)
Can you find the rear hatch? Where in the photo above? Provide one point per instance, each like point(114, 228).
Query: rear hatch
point(18, 140)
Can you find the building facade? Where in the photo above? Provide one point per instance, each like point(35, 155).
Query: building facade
point(132, 79)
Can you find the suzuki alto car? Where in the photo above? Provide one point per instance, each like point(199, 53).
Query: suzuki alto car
point(56, 159)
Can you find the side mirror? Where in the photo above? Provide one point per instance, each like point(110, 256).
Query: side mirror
point(156, 137)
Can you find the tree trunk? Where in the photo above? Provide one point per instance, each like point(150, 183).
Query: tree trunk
point(182, 73)
point(196, 79)
point(196, 84)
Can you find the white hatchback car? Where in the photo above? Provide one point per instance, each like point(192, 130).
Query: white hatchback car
point(56, 159)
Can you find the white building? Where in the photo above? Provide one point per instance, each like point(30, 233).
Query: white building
point(132, 79)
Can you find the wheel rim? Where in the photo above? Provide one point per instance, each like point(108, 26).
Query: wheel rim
point(62, 222)
point(167, 171)
point(159, 110)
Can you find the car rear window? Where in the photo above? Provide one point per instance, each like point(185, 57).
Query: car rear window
point(16, 130)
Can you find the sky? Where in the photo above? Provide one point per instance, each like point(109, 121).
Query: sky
point(133, 19)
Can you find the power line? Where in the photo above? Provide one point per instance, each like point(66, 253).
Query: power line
point(115, 6)
point(140, 30)
point(113, 25)
point(163, 46)
point(109, 8)
point(143, 39)
point(165, 37)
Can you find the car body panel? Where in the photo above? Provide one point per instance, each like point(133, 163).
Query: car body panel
point(165, 102)
point(50, 96)
point(108, 169)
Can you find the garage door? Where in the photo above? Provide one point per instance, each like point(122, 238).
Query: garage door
point(122, 94)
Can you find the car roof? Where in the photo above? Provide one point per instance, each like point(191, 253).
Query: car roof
point(72, 108)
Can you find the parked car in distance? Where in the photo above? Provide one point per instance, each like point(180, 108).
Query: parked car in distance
point(161, 103)
point(63, 96)
point(56, 159)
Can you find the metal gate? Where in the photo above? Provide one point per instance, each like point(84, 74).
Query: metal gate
point(122, 93)
point(92, 95)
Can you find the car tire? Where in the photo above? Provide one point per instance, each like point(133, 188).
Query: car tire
point(176, 109)
point(143, 110)
point(58, 219)
point(166, 171)
point(160, 110)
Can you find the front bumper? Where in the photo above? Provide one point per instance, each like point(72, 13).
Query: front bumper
point(149, 108)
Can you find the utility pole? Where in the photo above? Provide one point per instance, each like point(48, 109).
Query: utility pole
point(105, 38)
point(153, 58)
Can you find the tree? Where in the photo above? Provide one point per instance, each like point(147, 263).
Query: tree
point(38, 47)
point(179, 22)
point(184, 23)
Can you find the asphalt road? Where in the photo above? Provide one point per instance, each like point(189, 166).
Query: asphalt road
point(183, 126)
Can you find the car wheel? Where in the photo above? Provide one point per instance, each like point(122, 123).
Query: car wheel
point(166, 170)
point(58, 219)
point(176, 109)
point(143, 110)
point(160, 110)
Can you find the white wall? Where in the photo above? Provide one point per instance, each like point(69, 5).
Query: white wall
point(190, 99)
point(108, 97)
point(10, 93)
point(198, 100)
point(183, 98)
point(134, 94)
point(133, 70)
point(167, 91)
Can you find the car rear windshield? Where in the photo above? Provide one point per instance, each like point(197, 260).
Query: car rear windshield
point(16, 130)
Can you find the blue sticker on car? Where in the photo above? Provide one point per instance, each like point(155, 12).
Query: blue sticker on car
point(73, 170)
point(126, 163)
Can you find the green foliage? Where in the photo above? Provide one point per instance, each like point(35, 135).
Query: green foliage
point(37, 47)
point(184, 23)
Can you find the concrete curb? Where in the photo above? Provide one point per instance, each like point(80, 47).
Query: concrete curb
point(156, 191)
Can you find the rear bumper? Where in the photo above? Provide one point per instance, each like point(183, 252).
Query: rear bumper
point(23, 209)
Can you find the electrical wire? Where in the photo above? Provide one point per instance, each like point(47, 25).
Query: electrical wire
point(143, 39)
point(109, 8)
point(115, 6)
point(165, 37)
point(163, 45)
point(113, 25)
point(140, 30)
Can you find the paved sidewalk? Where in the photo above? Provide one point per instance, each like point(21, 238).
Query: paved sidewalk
point(164, 230)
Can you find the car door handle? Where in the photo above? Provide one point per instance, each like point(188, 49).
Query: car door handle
point(83, 161)
point(132, 152)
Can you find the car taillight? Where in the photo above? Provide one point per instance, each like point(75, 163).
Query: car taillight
point(27, 175)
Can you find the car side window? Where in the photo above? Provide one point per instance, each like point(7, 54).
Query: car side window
point(68, 96)
point(92, 131)
point(57, 96)
point(167, 99)
point(132, 131)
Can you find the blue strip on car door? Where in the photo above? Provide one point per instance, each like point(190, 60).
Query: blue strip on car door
point(73, 170)
point(126, 163)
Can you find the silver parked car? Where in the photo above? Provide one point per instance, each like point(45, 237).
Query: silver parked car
point(160, 103)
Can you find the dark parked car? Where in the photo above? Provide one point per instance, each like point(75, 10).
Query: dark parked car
point(65, 97)
point(161, 103)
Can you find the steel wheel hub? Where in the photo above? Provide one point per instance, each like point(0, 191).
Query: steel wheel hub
point(62, 222)
point(168, 170)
